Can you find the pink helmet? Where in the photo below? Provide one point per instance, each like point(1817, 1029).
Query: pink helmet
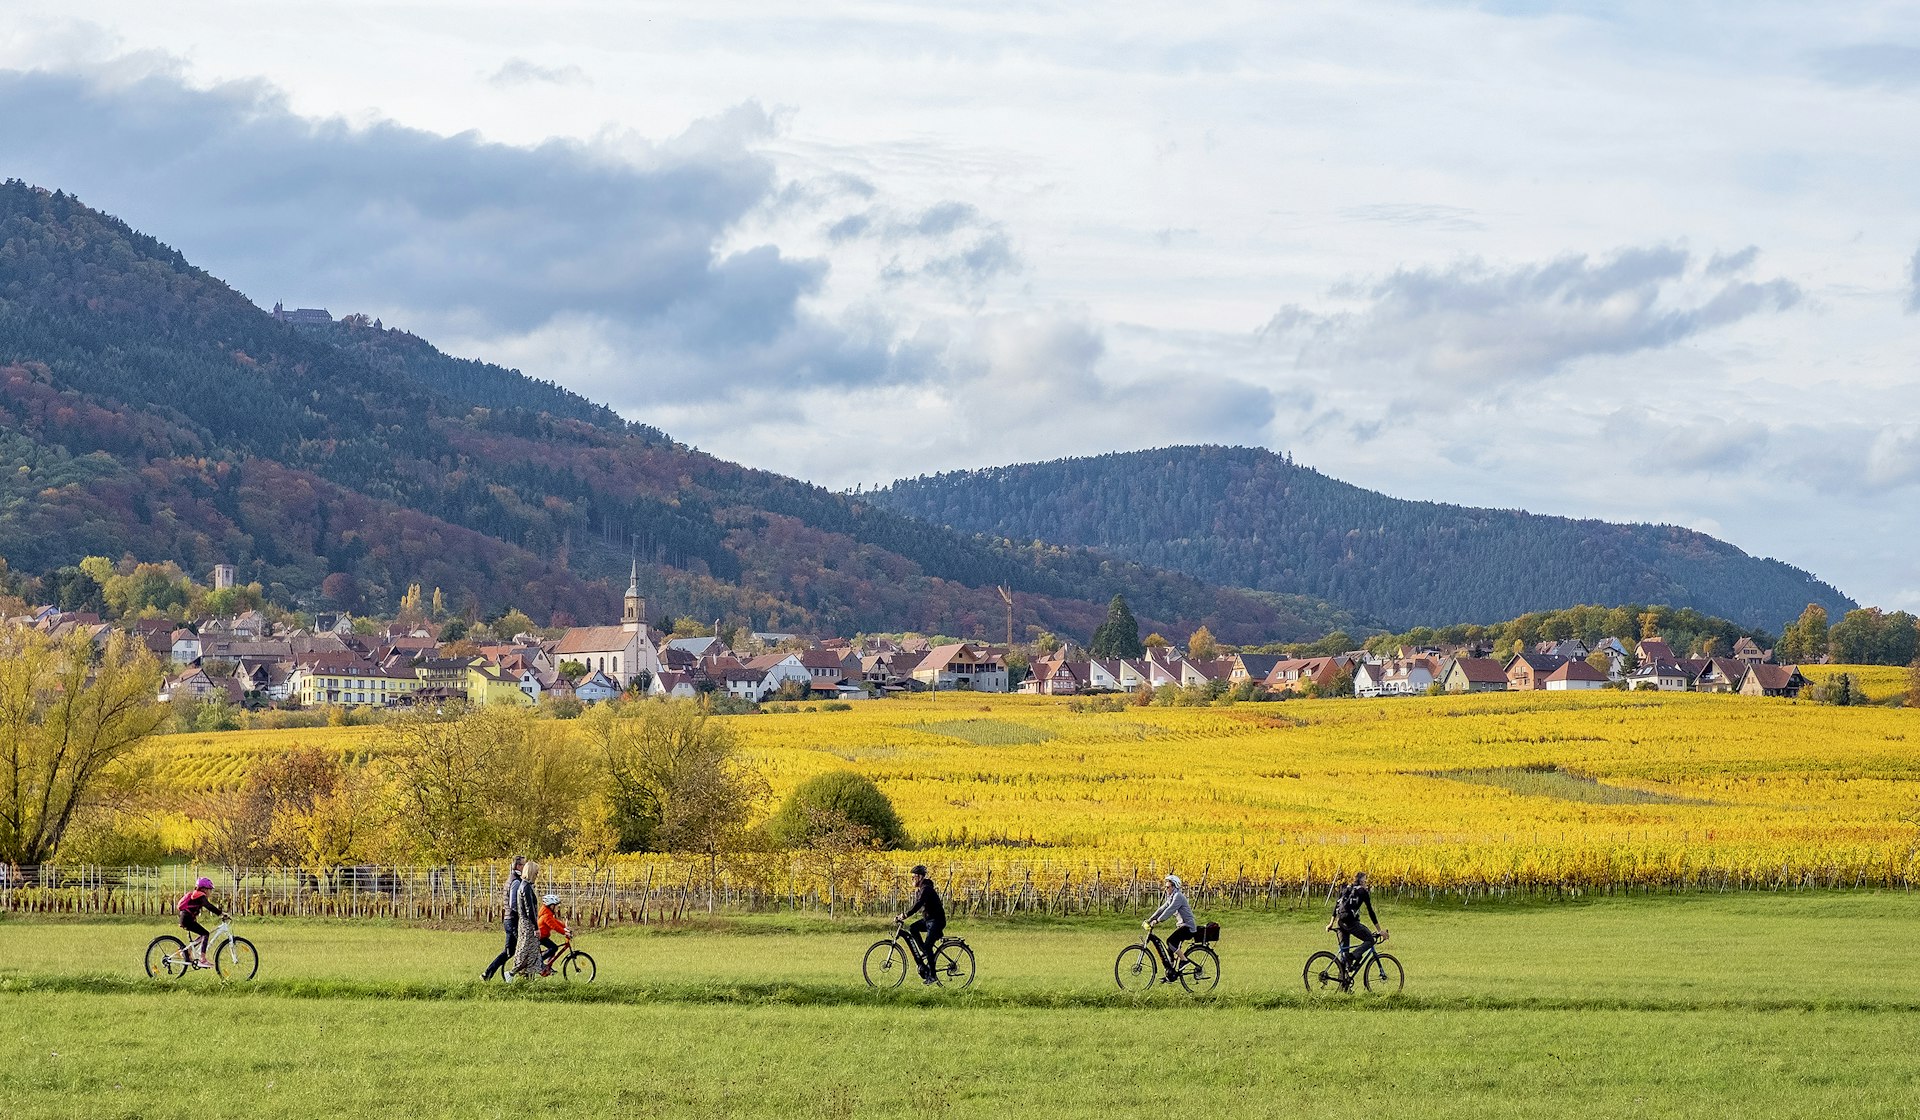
point(204, 884)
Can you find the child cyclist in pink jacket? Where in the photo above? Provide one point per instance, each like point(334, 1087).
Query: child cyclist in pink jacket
point(191, 904)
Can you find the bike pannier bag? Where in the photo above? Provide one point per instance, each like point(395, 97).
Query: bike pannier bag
point(1210, 932)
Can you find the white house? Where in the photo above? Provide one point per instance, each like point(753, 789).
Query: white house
point(597, 687)
point(777, 669)
point(186, 647)
point(1408, 677)
point(1665, 676)
point(675, 686)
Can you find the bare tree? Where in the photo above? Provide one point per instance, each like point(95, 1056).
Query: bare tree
point(70, 717)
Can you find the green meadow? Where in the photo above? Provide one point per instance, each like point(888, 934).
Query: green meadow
point(1693, 1005)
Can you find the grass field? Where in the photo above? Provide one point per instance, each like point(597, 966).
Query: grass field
point(1692, 1005)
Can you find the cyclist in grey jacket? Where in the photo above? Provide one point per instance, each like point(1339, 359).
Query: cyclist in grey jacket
point(1175, 906)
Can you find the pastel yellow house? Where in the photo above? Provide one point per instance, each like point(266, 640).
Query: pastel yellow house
point(489, 684)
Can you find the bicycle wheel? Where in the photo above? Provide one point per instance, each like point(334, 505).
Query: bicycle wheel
point(578, 966)
point(166, 958)
point(886, 964)
point(1201, 973)
point(236, 960)
point(953, 964)
point(1383, 975)
point(1323, 974)
point(1135, 969)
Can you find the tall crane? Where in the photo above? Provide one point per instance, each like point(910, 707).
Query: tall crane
point(1007, 598)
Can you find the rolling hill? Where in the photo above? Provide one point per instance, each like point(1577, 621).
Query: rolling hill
point(1248, 517)
point(148, 409)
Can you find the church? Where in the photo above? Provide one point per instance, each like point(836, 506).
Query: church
point(622, 652)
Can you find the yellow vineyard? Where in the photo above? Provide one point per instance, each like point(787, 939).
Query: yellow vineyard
point(1558, 790)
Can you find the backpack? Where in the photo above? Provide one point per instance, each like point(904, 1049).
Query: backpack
point(1343, 903)
point(187, 903)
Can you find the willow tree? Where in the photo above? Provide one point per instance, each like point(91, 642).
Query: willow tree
point(71, 716)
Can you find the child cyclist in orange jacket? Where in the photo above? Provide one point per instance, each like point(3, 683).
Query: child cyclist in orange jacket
point(550, 924)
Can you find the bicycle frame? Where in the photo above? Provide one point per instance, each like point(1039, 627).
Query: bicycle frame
point(1368, 952)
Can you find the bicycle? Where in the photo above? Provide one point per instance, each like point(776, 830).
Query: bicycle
point(1379, 973)
point(1140, 967)
point(570, 963)
point(234, 958)
point(885, 965)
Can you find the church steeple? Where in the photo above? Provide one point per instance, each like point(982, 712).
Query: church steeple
point(635, 616)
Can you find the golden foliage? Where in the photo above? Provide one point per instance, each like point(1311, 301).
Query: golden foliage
point(1740, 788)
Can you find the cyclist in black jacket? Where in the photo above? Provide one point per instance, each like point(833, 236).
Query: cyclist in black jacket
point(1347, 905)
point(932, 925)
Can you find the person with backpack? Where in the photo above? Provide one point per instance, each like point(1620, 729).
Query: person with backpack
point(1175, 906)
point(1348, 901)
point(191, 904)
point(512, 919)
point(932, 925)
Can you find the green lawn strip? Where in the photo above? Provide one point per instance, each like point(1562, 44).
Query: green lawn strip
point(153, 1056)
point(22, 986)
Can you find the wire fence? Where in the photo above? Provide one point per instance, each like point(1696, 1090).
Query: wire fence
point(668, 891)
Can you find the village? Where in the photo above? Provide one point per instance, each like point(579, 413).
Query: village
point(245, 661)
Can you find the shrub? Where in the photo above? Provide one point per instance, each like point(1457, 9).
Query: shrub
point(843, 793)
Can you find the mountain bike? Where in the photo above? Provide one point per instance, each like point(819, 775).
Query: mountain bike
point(887, 961)
point(1140, 967)
point(1379, 973)
point(234, 958)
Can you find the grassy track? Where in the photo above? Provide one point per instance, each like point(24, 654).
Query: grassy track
point(1751, 1005)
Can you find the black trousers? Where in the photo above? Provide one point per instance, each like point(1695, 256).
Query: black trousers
point(506, 954)
point(1353, 927)
point(927, 935)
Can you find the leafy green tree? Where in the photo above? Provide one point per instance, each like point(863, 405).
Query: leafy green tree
point(75, 589)
point(1119, 635)
point(840, 794)
point(1806, 638)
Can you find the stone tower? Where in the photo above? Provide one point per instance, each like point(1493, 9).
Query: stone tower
point(634, 618)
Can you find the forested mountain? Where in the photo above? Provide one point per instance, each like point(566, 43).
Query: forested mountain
point(146, 408)
point(1248, 517)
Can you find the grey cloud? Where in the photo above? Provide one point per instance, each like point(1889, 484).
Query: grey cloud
point(1913, 283)
point(1448, 218)
point(491, 239)
point(945, 218)
point(521, 72)
point(1869, 64)
point(1486, 324)
point(950, 241)
point(1708, 445)
point(1729, 264)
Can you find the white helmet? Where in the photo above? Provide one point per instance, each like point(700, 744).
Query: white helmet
point(550, 899)
point(1174, 881)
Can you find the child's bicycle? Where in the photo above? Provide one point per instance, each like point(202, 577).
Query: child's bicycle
point(569, 963)
point(1379, 973)
point(234, 958)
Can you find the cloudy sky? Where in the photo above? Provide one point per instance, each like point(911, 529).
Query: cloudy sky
point(1639, 261)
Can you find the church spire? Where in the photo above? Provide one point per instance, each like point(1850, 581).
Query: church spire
point(635, 615)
